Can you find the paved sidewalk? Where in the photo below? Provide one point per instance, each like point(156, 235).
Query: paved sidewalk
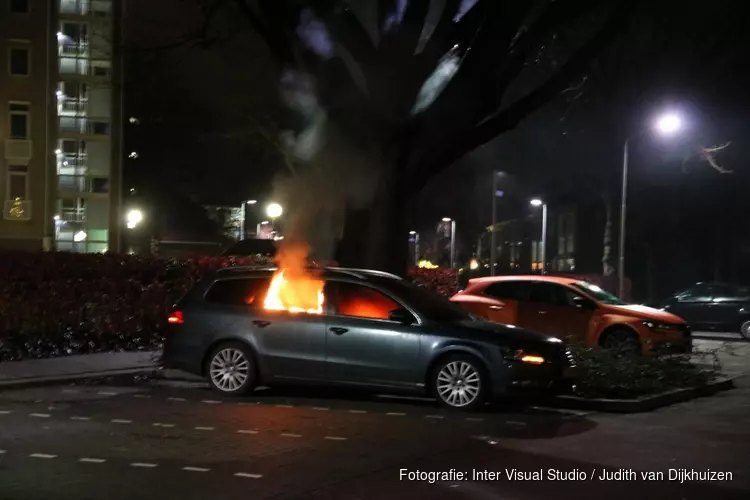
point(14, 373)
point(733, 356)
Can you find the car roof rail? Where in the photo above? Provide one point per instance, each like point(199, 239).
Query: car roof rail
point(245, 269)
point(363, 273)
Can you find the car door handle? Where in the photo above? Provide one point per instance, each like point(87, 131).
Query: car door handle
point(261, 323)
point(496, 307)
point(338, 330)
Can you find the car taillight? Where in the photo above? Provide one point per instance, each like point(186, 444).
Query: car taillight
point(175, 318)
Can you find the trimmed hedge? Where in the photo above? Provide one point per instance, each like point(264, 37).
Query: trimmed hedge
point(57, 303)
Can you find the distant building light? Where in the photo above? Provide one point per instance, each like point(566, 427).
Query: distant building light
point(134, 120)
point(133, 155)
point(57, 217)
point(58, 151)
point(79, 236)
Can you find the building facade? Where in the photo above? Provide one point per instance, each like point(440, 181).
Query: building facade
point(60, 124)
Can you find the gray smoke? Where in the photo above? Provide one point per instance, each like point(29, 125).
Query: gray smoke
point(330, 172)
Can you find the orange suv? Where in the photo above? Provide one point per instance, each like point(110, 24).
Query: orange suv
point(574, 310)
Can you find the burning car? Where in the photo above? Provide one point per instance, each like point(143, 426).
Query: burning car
point(245, 327)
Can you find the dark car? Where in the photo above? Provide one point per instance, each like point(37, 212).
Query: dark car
point(713, 307)
point(377, 331)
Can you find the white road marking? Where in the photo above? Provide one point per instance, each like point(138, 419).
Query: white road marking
point(395, 414)
point(320, 408)
point(176, 399)
point(121, 421)
point(142, 396)
point(284, 406)
point(357, 411)
point(107, 393)
point(158, 424)
point(144, 464)
point(42, 455)
point(92, 460)
point(2, 452)
point(248, 475)
point(211, 402)
point(5, 412)
point(204, 428)
point(290, 435)
point(474, 419)
point(244, 431)
point(40, 415)
point(434, 416)
point(335, 438)
point(513, 422)
point(195, 469)
point(80, 418)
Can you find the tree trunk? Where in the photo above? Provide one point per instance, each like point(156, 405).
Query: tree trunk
point(387, 245)
point(352, 248)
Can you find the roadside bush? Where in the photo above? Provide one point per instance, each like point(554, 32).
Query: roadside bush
point(57, 303)
point(607, 374)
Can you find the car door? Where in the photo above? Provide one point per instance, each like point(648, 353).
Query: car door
point(727, 308)
point(556, 310)
point(289, 346)
point(509, 294)
point(692, 305)
point(362, 345)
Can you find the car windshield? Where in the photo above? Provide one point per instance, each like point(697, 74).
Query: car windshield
point(429, 304)
point(598, 294)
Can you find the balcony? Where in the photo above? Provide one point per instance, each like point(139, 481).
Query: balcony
point(74, 49)
point(74, 183)
point(71, 164)
point(85, 7)
point(73, 214)
point(18, 151)
point(84, 126)
point(67, 106)
point(17, 209)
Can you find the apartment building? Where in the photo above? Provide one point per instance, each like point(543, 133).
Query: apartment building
point(60, 124)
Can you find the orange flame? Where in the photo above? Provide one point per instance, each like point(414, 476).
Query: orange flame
point(293, 288)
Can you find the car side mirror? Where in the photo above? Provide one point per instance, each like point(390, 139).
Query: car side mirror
point(583, 303)
point(402, 316)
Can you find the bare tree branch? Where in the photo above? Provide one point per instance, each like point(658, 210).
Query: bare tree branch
point(708, 155)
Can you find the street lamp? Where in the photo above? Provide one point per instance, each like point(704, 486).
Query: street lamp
point(536, 202)
point(416, 246)
point(133, 218)
point(453, 240)
point(666, 125)
point(274, 210)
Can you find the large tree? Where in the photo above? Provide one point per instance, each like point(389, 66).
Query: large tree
point(395, 91)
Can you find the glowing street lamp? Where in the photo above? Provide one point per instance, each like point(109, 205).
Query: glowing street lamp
point(536, 202)
point(274, 210)
point(416, 246)
point(666, 125)
point(453, 240)
point(133, 218)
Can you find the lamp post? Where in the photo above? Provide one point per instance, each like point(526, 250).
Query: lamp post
point(667, 124)
point(493, 242)
point(453, 240)
point(243, 210)
point(536, 202)
point(416, 246)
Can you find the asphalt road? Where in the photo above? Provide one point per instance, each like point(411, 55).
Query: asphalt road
point(147, 441)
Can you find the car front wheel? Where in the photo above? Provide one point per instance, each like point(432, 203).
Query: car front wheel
point(459, 383)
point(745, 330)
point(231, 369)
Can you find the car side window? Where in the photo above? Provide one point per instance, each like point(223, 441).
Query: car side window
point(238, 292)
point(508, 290)
point(724, 293)
point(699, 293)
point(551, 294)
point(358, 301)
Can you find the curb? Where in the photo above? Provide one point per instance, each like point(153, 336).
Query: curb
point(642, 404)
point(73, 377)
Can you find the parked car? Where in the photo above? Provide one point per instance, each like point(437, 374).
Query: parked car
point(713, 307)
point(575, 310)
point(376, 331)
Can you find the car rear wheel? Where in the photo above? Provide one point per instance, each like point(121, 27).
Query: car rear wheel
point(622, 341)
point(460, 383)
point(745, 330)
point(231, 369)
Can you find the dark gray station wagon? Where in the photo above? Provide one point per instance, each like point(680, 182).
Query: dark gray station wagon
point(377, 331)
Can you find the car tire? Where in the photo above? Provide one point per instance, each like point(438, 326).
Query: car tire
point(622, 341)
point(745, 330)
point(231, 369)
point(460, 382)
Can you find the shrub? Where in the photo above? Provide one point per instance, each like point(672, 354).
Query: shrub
point(607, 374)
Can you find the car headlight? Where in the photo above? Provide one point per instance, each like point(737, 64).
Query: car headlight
point(660, 327)
point(523, 356)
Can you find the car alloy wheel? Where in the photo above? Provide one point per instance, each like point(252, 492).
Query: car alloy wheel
point(459, 384)
point(745, 329)
point(622, 342)
point(230, 370)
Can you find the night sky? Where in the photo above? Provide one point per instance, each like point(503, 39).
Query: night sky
point(209, 119)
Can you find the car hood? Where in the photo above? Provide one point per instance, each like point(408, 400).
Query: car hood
point(486, 330)
point(645, 312)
